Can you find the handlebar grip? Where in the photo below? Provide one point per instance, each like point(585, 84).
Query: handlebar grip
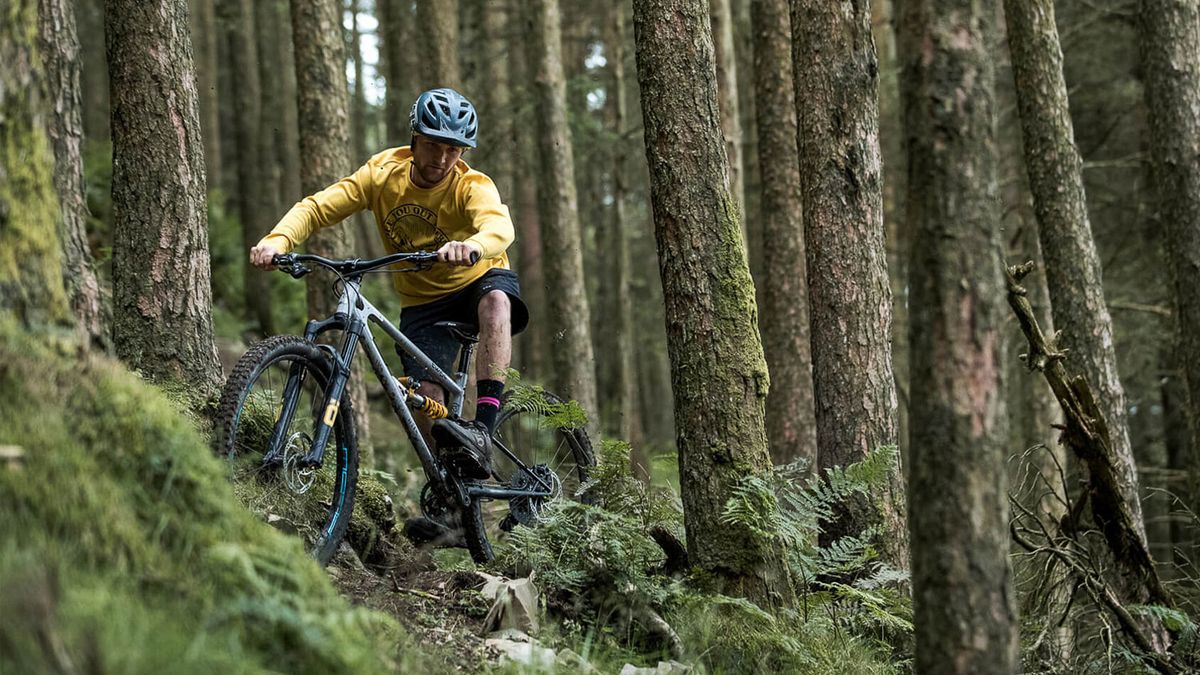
point(474, 257)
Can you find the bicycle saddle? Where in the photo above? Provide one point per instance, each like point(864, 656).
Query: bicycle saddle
point(465, 332)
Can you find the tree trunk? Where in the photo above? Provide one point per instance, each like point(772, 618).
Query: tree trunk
point(31, 276)
point(162, 298)
point(368, 241)
point(396, 55)
point(270, 165)
point(1073, 270)
point(721, 16)
point(289, 133)
point(437, 43)
point(791, 421)
point(495, 102)
point(1170, 32)
point(204, 37)
point(958, 511)
point(89, 14)
point(238, 26)
point(319, 45)
point(718, 373)
point(61, 59)
point(533, 351)
point(562, 253)
point(849, 298)
point(625, 393)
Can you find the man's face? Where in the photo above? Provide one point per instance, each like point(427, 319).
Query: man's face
point(433, 160)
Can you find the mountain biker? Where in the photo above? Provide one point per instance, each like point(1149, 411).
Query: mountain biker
point(425, 197)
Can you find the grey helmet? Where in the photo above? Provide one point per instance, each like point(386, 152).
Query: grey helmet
point(446, 116)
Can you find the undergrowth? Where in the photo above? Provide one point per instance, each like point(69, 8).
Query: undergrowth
point(123, 549)
point(607, 581)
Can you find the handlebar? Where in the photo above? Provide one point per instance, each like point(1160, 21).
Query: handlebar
point(293, 263)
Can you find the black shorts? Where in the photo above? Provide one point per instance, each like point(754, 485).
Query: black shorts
point(417, 322)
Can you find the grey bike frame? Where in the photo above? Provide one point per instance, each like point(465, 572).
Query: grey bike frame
point(354, 313)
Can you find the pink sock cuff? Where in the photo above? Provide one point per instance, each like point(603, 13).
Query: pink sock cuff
point(488, 400)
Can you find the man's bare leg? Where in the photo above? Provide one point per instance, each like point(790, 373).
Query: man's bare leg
point(495, 354)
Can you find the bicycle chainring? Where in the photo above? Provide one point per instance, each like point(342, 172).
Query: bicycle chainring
point(435, 508)
point(528, 511)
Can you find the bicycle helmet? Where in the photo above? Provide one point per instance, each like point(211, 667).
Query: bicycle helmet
point(444, 115)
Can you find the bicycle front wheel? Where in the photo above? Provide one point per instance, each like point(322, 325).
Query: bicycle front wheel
point(314, 502)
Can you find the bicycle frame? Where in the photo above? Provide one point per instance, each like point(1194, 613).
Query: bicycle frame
point(353, 315)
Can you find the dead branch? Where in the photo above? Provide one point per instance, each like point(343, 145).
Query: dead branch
point(1086, 434)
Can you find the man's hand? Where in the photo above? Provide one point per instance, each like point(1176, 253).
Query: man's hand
point(459, 252)
point(261, 256)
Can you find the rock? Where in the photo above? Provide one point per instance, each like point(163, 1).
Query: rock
point(569, 661)
point(347, 559)
point(515, 603)
point(282, 524)
point(524, 653)
point(663, 668)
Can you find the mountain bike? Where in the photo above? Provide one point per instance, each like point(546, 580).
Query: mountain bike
point(286, 424)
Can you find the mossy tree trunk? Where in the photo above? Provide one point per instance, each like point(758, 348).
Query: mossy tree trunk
point(836, 76)
point(31, 280)
point(1073, 271)
point(791, 421)
point(568, 315)
point(436, 32)
point(249, 196)
point(324, 100)
point(958, 510)
point(162, 297)
point(60, 53)
point(1170, 32)
point(288, 133)
point(718, 373)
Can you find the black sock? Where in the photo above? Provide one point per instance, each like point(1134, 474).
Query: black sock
point(487, 402)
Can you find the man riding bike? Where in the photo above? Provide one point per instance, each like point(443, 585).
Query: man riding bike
point(426, 198)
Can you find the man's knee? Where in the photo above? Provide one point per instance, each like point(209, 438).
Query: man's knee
point(494, 306)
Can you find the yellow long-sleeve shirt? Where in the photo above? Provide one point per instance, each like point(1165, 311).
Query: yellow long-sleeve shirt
point(465, 206)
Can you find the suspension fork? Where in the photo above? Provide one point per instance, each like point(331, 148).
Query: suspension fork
point(323, 426)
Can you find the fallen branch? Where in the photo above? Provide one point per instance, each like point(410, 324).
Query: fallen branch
point(1086, 433)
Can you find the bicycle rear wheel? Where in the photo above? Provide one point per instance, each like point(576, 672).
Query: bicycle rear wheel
point(313, 502)
point(562, 457)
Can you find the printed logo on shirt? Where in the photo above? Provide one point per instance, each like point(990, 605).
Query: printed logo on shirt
point(413, 227)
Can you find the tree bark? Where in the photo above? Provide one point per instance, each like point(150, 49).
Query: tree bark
point(718, 373)
point(437, 43)
point(624, 374)
point(162, 298)
point(238, 27)
point(289, 132)
point(562, 251)
point(323, 106)
point(31, 277)
point(89, 15)
point(533, 350)
point(791, 419)
point(59, 47)
point(721, 16)
point(395, 36)
point(958, 511)
point(1073, 269)
point(1170, 39)
point(204, 37)
point(849, 298)
point(270, 165)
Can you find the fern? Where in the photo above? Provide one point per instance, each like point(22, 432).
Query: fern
point(525, 397)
